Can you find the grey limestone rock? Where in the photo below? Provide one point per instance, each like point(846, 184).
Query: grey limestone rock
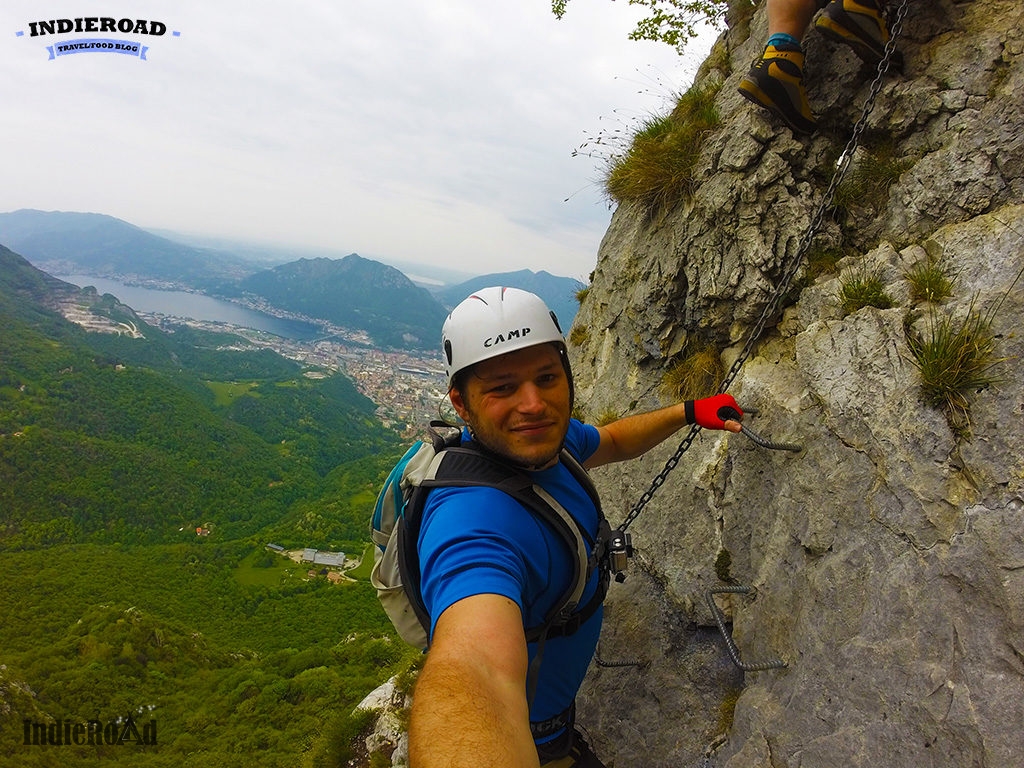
point(887, 557)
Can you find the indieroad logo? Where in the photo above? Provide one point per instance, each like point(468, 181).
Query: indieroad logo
point(59, 733)
point(101, 25)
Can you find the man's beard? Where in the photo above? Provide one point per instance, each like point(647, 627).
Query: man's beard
point(500, 449)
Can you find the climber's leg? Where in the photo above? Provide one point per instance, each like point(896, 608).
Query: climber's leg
point(775, 81)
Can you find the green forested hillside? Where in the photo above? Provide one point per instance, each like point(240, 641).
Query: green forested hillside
point(232, 674)
point(107, 438)
point(112, 451)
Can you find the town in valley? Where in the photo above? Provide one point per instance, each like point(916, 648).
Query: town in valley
point(407, 386)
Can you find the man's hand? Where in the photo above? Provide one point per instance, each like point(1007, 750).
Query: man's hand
point(715, 412)
point(631, 436)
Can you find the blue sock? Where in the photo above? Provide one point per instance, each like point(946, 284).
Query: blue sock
point(784, 42)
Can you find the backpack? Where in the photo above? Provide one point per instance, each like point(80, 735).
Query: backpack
point(445, 461)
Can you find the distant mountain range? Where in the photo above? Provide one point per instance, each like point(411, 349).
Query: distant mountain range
point(106, 247)
point(352, 292)
point(559, 293)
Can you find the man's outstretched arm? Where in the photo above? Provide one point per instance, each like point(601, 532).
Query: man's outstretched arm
point(634, 435)
point(469, 705)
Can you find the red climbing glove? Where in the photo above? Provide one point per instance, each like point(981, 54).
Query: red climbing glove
point(712, 412)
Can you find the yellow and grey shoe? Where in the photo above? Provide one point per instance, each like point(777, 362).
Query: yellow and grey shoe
point(859, 24)
point(776, 83)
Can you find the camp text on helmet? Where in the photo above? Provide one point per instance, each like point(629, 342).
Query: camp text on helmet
point(507, 336)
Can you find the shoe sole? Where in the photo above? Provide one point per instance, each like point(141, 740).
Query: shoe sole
point(752, 92)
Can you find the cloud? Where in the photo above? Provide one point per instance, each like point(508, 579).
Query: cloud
point(426, 132)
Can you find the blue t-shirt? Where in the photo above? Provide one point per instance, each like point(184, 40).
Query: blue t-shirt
point(477, 541)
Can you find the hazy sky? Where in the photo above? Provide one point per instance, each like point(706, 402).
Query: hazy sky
point(434, 132)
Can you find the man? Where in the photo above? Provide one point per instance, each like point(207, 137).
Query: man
point(775, 82)
point(490, 568)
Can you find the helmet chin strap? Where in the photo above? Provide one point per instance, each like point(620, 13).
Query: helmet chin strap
point(563, 355)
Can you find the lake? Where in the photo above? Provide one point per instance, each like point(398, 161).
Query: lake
point(195, 306)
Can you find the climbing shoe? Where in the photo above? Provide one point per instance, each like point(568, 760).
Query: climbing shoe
point(776, 83)
point(859, 24)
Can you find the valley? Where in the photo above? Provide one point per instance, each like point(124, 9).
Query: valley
point(143, 473)
point(406, 385)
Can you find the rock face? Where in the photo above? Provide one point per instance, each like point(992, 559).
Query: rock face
point(388, 735)
point(887, 557)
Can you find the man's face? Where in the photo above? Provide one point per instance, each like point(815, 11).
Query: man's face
point(518, 405)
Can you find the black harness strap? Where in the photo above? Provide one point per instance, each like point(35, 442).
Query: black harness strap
point(563, 719)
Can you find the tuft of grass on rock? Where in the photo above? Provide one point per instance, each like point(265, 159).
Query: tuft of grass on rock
point(863, 290)
point(822, 261)
point(929, 281)
point(955, 359)
point(659, 168)
point(579, 335)
point(873, 173)
point(697, 374)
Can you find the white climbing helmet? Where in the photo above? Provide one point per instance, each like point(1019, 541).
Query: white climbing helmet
point(494, 321)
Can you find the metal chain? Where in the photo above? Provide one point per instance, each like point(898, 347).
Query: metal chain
point(787, 278)
point(659, 479)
